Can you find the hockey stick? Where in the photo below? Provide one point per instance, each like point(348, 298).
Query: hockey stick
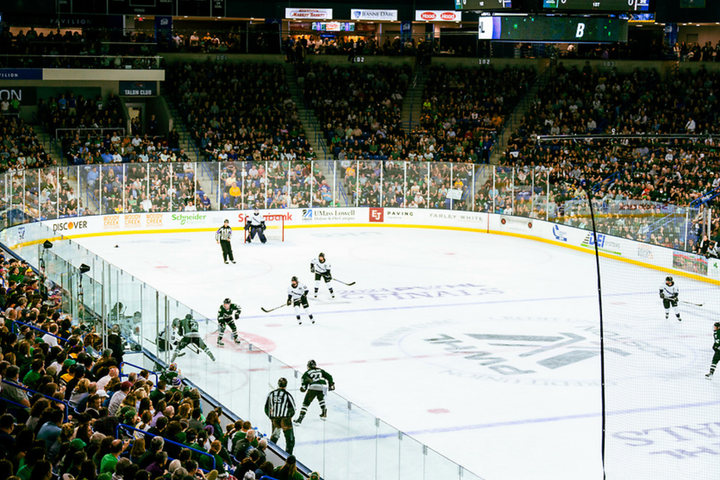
point(268, 310)
point(348, 284)
point(691, 303)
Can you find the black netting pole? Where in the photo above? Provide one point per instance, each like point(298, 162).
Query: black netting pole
point(602, 336)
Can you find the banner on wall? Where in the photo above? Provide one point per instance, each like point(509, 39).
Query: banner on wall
point(21, 74)
point(309, 13)
point(138, 89)
point(375, 15)
point(329, 215)
point(24, 95)
point(437, 16)
point(605, 243)
point(689, 262)
point(516, 224)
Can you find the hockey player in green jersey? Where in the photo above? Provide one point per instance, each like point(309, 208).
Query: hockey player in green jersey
point(315, 382)
point(190, 335)
point(716, 348)
point(227, 314)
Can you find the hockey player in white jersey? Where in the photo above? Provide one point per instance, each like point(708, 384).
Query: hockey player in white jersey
point(255, 224)
point(297, 297)
point(669, 294)
point(321, 268)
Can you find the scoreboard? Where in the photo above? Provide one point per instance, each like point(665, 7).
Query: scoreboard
point(553, 29)
point(597, 5)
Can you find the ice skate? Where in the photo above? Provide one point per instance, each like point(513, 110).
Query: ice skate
point(709, 376)
point(299, 420)
point(220, 343)
point(323, 415)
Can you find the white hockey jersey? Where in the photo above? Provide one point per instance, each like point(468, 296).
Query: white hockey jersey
point(255, 219)
point(669, 292)
point(296, 292)
point(320, 268)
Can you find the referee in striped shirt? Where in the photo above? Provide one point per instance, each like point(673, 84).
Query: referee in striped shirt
point(280, 408)
point(223, 236)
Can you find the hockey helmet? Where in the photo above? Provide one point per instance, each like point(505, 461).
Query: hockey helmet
point(176, 322)
point(227, 300)
point(717, 324)
point(321, 257)
point(226, 221)
point(294, 280)
point(669, 280)
point(188, 317)
point(311, 364)
point(282, 382)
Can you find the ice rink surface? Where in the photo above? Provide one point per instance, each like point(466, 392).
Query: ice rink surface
point(486, 348)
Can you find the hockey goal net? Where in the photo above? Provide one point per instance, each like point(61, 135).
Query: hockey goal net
point(274, 229)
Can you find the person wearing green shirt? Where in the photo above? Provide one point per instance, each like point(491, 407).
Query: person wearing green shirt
point(108, 462)
point(35, 374)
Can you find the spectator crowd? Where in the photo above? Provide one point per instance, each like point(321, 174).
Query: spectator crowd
point(67, 412)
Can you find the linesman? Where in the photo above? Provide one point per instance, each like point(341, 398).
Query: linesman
point(223, 236)
point(280, 408)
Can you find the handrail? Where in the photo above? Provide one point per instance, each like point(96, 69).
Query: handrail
point(128, 427)
point(141, 368)
point(39, 330)
point(35, 392)
point(90, 129)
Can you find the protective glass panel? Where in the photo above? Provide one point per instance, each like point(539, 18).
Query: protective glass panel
point(111, 191)
point(417, 177)
point(393, 177)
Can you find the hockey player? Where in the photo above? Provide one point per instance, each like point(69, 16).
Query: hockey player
point(716, 347)
point(315, 382)
point(297, 297)
point(167, 339)
point(255, 224)
point(227, 314)
point(223, 236)
point(280, 408)
point(321, 268)
point(190, 333)
point(669, 294)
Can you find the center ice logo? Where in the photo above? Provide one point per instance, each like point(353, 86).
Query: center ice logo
point(499, 352)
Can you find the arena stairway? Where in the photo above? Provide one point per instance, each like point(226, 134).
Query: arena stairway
point(412, 101)
point(313, 132)
point(50, 148)
point(515, 118)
